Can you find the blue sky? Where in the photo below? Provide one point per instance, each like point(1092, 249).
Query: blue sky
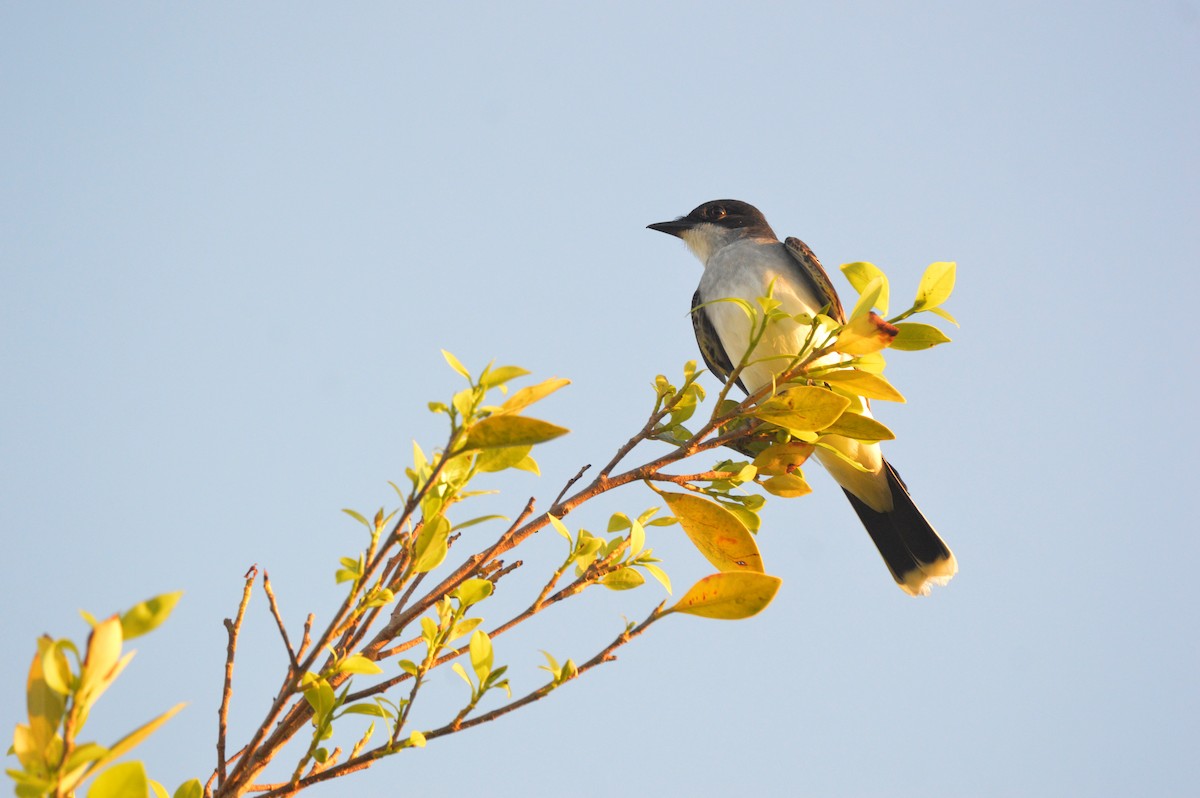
point(234, 237)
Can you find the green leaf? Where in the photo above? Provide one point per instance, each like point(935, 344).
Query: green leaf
point(559, 527)
point(860, 428)
point(54, 670)
point(500, 431)
point(357, 516)
point(189, 789)
point(408, 666)
point(493, 377)
point(869, 297)
point(357, 663)
point(481, 654)
point(716, 532)
point(492, 460)
point(862, 383)
point(431, 545)
point(618, 522)
point(802, 409)
point(782, 458)
point(530, 465)
point(944, 314)
point(456, 365)
point(365, 709)
point(787, 486)
point(914, 336)
point(533, 393)
point(729, 596)
point(481, 519)
point(320, 697)
point(658, 574)
point(473, 591)
point(464, 627)
point(126, 780)
point(860, 275)
point(637, 539)
point(936, 285)
point(88, 752)
point(623, 579)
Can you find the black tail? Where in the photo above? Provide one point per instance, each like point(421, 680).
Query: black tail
point(914, 553)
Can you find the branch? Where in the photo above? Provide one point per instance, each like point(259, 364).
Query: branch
point(233, 628)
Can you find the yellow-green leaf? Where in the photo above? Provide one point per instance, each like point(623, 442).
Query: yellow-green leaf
point(782, 458)
point(431, 546)
point(862, 383)
point(802, 409)
point(914, 336)
point(500, 431)
point(416, 739)
point(103, 654)
point(357, 663)
point(456, 364)
point(473, 591)
point(498, 376)
point(860, 275)
point(491, 460)
point(869, 297)
point(860, 428)
point(716, 533)
point(936, 285)
point(729, 596)
point(145, 617)
point(189, 789)
point(533, 393)
point(623, 579)
point(126, 780)
point(787, 486)
point(481, 655)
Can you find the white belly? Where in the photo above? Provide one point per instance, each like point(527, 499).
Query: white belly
point(745, 270)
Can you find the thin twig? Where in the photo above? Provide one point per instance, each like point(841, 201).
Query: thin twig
point(571, 482)
point(370, 757)
point(307, 638)
point(279, 621)
point(232, 628)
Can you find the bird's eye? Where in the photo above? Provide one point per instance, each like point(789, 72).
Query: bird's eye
point(716, 212)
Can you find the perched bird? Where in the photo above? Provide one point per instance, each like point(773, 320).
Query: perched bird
point(742, 258)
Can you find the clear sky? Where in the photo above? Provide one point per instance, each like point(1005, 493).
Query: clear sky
point(233, 238)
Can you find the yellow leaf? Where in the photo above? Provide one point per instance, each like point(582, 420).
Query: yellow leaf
point(802, 409)
point(501, 431)
point(865, 335)
point(862, 383)
point(914, 336)
point(861, 274)
point(717, 533)
point(936, 285)
point(729, 596)
point(860, 428)
point(103, 654)
point(782, 458)
point(533, 393)
point(456, 364)
point(787, 486)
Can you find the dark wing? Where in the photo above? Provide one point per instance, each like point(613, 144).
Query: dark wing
point(811, 268)
point(710, 343)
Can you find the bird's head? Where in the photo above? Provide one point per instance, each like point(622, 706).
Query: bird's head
point(716, 224)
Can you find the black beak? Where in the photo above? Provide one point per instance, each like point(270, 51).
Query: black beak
point(674, 228)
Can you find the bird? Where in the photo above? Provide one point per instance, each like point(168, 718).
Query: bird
point(743, 259)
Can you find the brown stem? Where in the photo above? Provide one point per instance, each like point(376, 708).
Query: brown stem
point(279, 621)
point(232, 628)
